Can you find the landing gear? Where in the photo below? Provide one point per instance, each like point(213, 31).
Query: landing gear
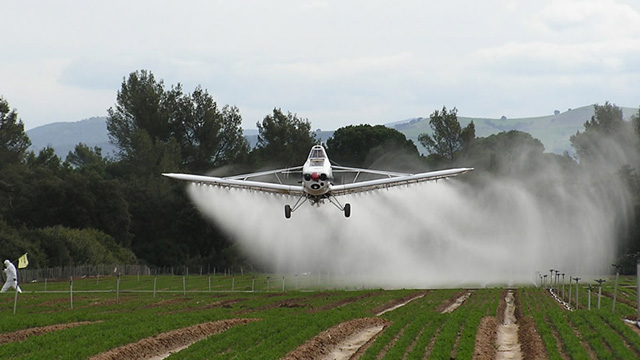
point(347, 210)
point(288, 209)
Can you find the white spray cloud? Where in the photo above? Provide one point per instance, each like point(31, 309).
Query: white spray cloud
point(444, 233)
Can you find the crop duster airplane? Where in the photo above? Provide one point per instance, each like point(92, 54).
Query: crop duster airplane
point(317, 184)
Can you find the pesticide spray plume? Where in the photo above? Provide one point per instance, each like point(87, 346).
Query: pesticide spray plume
point(484, 230)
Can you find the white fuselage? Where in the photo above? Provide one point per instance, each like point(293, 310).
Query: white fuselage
point(317, 175)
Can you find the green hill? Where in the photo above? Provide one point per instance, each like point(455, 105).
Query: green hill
point(553, 131)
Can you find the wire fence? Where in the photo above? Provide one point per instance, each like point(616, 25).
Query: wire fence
point(67, 272)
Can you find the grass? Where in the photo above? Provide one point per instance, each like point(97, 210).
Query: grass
point(288, 319)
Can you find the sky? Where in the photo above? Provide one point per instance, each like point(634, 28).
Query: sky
point(335, 63)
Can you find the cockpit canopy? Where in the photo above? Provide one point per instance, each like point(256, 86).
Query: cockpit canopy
point(317, 155)
point(317, 152)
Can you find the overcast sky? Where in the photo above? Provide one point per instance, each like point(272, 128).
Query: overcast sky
point(333, 62)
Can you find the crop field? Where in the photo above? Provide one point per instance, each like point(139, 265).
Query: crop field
point(301, 317)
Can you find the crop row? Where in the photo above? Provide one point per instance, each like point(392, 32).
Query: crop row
point(420, 330)
point(580, 334)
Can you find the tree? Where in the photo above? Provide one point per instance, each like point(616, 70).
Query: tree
point(283, 139)
point(171, 129)
point(364, 145)
point(14, 142)
point(84, 159)
point(607, 140)
point(138, 108)
point(209, 137)
point(448, 138)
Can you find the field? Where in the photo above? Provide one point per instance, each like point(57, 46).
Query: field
point(300, 317)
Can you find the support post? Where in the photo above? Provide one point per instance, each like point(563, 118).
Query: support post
point(599, 281)
point(71, 291)
point(15, 300)
point(577, 302)
point(118, 289)
point(615, 289)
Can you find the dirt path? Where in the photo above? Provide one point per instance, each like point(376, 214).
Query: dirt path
point(459, 301)
point(507, 338)
point(163, 345)
point(394, 305)
point(349, 346)
point(340, 341)
point(349, 338)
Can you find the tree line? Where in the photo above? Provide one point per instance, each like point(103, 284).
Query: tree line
point(92, 209)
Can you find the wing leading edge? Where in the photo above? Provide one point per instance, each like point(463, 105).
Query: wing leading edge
point(394, 179)
point(237, 182)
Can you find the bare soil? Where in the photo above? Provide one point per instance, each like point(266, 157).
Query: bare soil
point(530, 340)
point(507, 339)
point(340, 341)
point(531, 343)
point(164, 344)
point(21, 335)
point(485, 348)
point(453, 305)
point(396, 303)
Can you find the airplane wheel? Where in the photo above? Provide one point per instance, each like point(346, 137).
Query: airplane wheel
point(347, 210)
point(287, 211)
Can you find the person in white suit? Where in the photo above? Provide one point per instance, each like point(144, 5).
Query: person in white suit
point(12, 277)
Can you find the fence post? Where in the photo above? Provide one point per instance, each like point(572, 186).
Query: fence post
point(118, 290)
point(71, 291)
point(155, 280)
point(184, 285)
point(15, 300)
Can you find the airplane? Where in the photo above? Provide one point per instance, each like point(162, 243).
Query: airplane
point(317, 183)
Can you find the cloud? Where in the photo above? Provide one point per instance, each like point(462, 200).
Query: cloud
point(585, 19)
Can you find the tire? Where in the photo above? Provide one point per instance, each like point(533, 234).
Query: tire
point(347, 210)
point(287, 211)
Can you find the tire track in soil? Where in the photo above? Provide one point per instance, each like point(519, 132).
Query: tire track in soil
point(163, 345)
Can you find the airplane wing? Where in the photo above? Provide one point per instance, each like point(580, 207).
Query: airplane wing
point(240, 182)
point(392, 179)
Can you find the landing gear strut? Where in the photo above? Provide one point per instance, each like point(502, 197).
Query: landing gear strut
point(346, 208)
point(288, 210)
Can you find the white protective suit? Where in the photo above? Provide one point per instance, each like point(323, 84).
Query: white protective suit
point(12, 277)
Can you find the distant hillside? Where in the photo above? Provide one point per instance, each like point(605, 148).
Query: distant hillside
point(64, 136)
point(553, 130)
